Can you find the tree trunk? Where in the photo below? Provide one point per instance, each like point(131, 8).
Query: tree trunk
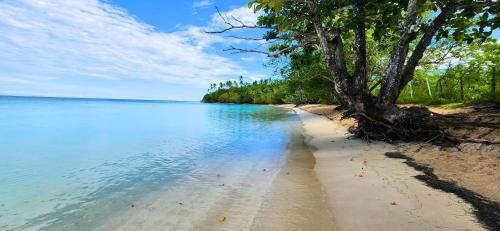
point(493, 84)
point(392, 77)
point(378, 117)
point(462, 95)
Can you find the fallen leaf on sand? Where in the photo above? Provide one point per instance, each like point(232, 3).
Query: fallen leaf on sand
point(221, 219)
point(394, 203)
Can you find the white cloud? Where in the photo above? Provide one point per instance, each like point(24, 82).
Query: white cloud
point(202, 4)
point(250, 58)
point(59, 39)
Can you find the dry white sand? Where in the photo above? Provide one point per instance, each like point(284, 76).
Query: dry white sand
point(367, 191)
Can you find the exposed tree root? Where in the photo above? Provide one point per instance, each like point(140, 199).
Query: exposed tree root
point(476, 141)
point(341, 107)
point(420, 125)
point(409, 124)
point(487, 211)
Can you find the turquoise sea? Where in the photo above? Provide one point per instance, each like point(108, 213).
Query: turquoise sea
point(71, 164)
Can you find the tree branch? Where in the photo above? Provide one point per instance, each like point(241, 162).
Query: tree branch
point(269, 54)
point(391, 76)
point(231, 26)
point(244, 38)
point(422, 45)
point(375, 85)
point(443, 57)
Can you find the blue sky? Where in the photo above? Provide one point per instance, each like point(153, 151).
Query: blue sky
point(141, 49)
point(153, 49)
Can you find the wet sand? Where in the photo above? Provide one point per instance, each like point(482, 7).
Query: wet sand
point(296, 200)
point(261, 196)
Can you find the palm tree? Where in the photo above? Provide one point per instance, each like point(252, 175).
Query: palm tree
point(241, 80)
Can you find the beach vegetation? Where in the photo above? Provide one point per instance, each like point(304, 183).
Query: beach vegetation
point(380, 53)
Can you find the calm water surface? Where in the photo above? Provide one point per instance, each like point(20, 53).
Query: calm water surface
point(72, 163)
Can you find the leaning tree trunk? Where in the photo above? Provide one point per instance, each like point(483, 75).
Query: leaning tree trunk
point(378, 117)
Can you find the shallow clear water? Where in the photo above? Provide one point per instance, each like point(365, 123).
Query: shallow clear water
point(72, 163)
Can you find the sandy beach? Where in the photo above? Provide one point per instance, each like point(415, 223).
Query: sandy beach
point(366, 189)
point(326, 182)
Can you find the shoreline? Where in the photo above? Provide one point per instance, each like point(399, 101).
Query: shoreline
point(325, 182)
point(265, 196)
point(366, 189)
point(296, 199)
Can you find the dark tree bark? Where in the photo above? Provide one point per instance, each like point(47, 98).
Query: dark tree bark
point(333, 54)
point(392, 76)
point(379, 117)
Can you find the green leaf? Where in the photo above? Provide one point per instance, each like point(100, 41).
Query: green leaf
point(259, 7)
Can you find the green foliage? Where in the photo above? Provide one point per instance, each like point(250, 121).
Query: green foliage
point(307, 80)
point(458, 68)
point(263, 92)
point(468, 81)
point(474, 19)
point(309, 85)
point(464, 78)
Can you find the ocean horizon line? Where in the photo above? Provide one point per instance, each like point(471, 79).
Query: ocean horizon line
point(98, 99)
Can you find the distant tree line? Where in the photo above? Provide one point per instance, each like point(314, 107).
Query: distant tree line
point(449, 74)
point(266, 91)
point(295, 87)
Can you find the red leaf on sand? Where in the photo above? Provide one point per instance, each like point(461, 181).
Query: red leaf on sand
point(394, 203)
